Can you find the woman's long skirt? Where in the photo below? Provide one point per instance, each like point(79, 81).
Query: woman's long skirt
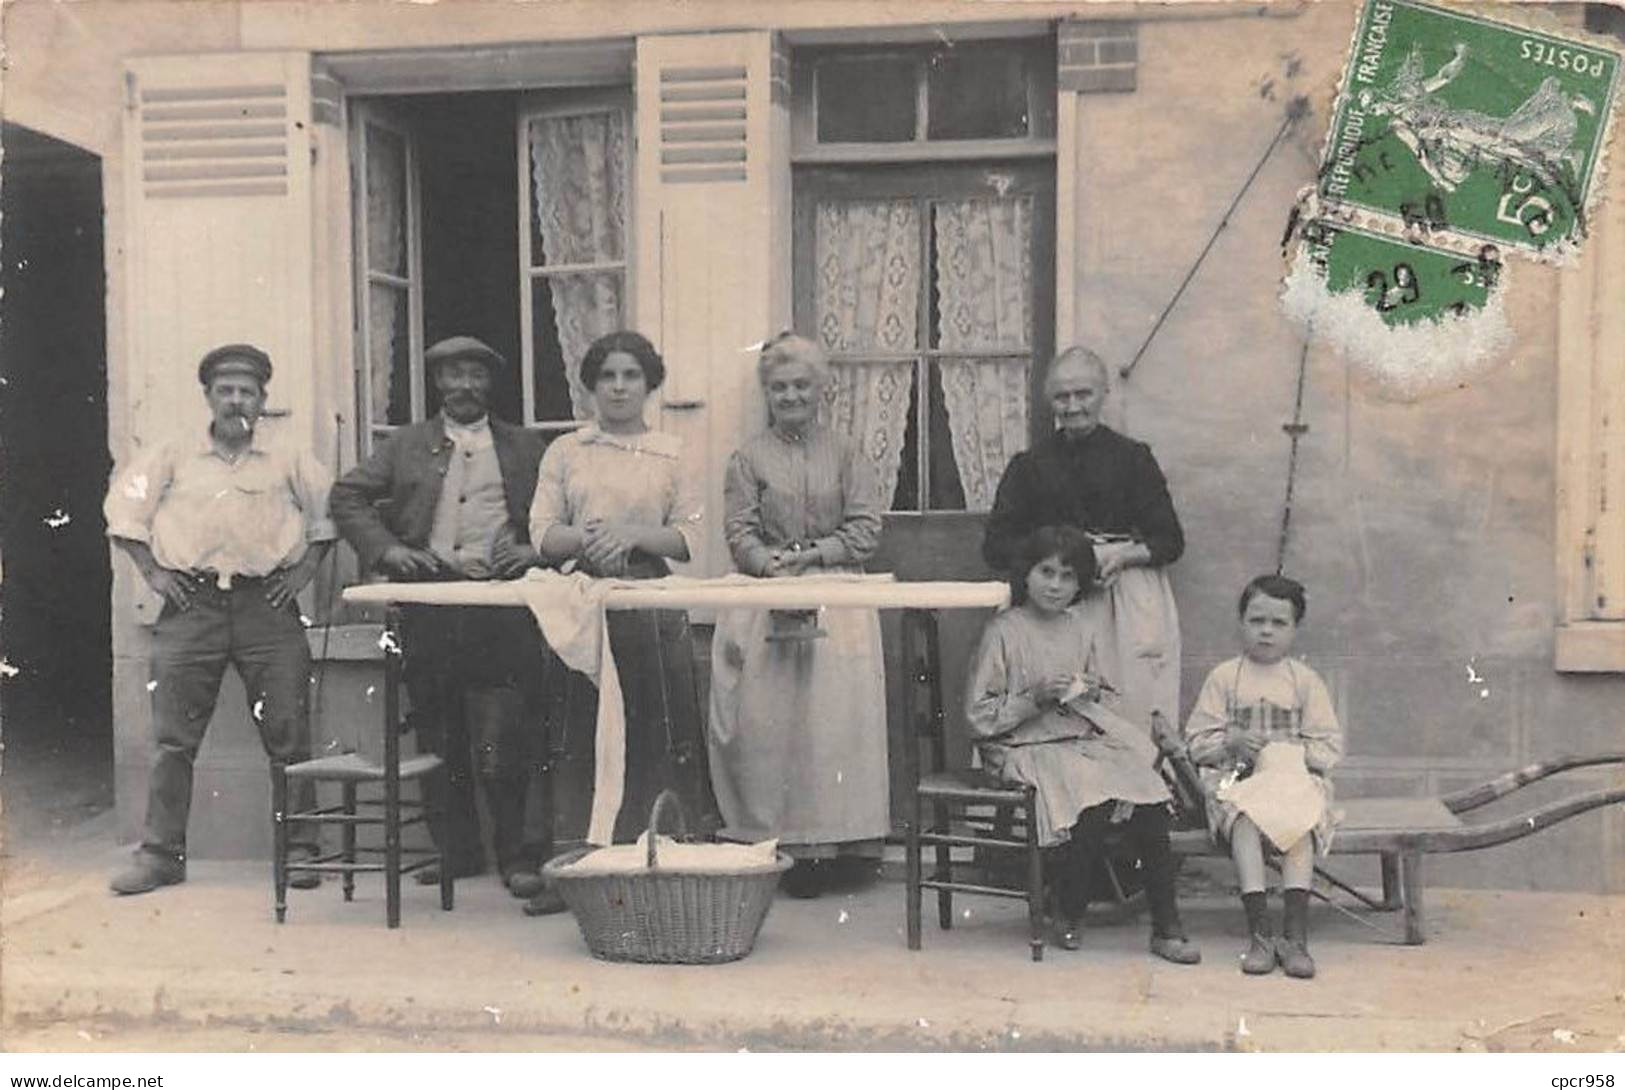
point(798, 730)
point(665, 735)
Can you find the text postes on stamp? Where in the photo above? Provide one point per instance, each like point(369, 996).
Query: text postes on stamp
point(1456, 127)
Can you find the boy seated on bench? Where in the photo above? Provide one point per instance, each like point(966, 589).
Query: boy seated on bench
point(1264, 737)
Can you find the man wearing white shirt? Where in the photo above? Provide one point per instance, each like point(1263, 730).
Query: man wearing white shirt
point(227, 529)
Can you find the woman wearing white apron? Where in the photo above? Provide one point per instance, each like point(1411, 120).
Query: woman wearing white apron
point(1088, 476)
point(798, 702)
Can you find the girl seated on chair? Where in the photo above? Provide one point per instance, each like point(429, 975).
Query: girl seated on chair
point(1036, 704)
point(1264, 737)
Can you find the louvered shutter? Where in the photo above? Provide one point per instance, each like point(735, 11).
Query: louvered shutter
point(219, 228)
point(713, 235)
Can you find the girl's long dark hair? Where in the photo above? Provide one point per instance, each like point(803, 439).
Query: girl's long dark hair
point(1067, 542)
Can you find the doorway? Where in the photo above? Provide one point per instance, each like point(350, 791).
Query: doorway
point(498, 215)
point(55, 610)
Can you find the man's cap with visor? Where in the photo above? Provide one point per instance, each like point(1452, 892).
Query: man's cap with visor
point(239, 359)
point(463, 348)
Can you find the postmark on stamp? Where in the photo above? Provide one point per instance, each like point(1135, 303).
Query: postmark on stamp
point(1463, 131)
point(1414, 319)
point(1403, 283)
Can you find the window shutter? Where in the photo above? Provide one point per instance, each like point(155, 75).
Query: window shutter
point(219, 228)
point(1591, 447)
point(1604, 556)
point(713, 228)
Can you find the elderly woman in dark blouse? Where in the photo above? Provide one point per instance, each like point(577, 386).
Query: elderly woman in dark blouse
point(1088, 476)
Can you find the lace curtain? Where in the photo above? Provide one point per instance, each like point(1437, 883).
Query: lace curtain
point(984, 299)
point(389, 373)
point(578, 175)
point(867, 291)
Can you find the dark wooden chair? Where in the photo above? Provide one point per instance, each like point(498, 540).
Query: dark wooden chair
point(968, 809)
point(388, 810)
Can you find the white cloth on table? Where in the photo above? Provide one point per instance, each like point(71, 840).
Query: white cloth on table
point(569, 610)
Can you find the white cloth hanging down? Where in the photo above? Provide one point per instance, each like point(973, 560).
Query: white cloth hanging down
point(569, 609)
point(1281, 796)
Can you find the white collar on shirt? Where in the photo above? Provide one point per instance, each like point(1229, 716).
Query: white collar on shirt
point(647, 442)
point(475, 436)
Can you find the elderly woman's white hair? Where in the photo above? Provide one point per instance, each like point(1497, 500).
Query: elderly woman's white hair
point(791, 347)
point(1079, 355)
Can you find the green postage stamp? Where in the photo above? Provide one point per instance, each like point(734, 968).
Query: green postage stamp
point(1455, 129)
point(1401, 282)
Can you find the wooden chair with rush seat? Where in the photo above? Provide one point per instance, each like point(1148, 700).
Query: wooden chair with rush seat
point(968, 808)
point(388, 810)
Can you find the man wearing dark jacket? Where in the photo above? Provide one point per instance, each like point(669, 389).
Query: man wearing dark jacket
point(449, 498)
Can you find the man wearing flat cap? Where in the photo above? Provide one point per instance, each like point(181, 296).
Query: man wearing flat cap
point(449, 498)
point(227, 529)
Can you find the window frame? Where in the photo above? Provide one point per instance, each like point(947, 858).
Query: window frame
point(364, 113)
point(548, 103)
point(1042, 112)
point(926, 184)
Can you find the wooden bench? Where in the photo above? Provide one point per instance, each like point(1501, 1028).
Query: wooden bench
point(1402, 831)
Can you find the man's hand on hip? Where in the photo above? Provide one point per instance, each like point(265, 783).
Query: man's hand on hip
point(282, 585)
point(175, 587)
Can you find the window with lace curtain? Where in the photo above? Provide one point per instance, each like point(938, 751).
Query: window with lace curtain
point(929, 305)
point(390, 387)
point(571, 286)
point(924, 254)
point(573, 260)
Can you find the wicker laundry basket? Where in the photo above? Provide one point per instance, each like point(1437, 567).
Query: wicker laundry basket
point(688, 917)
